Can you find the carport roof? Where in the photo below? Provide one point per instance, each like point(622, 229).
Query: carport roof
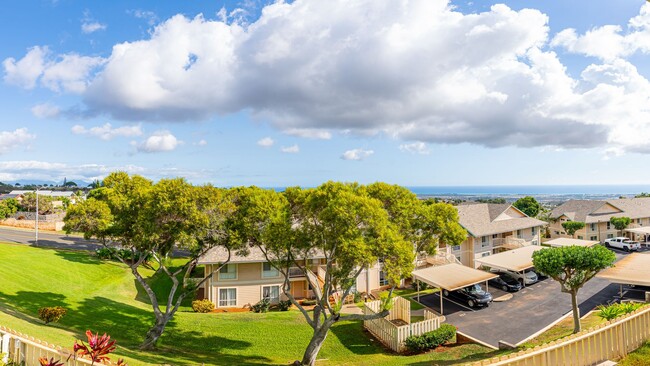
point(452, 276)
point(634, 269)
point(639, 230)
point(565, 242)
point(514, 260)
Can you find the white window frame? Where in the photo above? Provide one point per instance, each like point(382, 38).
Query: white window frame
point(609, 225)
point(485, 254)
point(385, 281)
point(273, 300)
point(219, 297)
point(533, 230)
point(273, 270)
point(593, 237)
point(592, 226)
point(455, 248)
point(518, 234)
point(229, 279)
point(485, 241)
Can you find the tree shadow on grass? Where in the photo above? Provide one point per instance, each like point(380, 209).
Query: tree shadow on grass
point(24, 305)
point(78, 256)
point(355, 338)
point(128, 325)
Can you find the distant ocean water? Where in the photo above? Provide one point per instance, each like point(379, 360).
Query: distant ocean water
point(532, 190)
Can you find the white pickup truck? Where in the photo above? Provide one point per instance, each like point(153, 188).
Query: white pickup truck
point(623, 243)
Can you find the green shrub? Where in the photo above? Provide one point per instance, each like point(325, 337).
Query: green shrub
point(262, 306)
point(357, 297)
point(430, 340)
point(202, 306)
point(423, 286)
point(308, 302)
point(284, 305)
point(613, 311)
point(105, 253)
point(51, 314)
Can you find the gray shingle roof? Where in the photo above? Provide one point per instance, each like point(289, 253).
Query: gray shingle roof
point(583, 210)
point(220, 255)
point(479, 219)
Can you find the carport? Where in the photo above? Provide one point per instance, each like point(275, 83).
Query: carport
point(634, 269)
point(516, 260)
point(567, 242)
point(644, 231)
point(450, 277)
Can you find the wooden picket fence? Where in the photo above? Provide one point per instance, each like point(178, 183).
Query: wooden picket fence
point(609, 341)
point(391, 334)
point(25, 350)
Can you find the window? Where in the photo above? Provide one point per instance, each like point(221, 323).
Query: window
point(485, 254)
point(557, 232)
point(227, 297)
point(533, 231)
point(383, 281)
point(494, 236)
point(485, 241)
point(519, 233)
point(455, 248)
point(228, 272)
point(580, 237)
point(594, 238)
point(271, 292)
point(593, 227)
point(458, 258)
point(609, 236)
point(609, 225)
point(269, 271)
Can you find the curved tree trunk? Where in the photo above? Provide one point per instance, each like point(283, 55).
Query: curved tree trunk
point(576, 312)
point(315, 344)
point(154, 334)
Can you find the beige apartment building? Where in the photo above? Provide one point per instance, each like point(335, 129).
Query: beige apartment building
point(596, 215)
point(246, 280)
point(492, 228)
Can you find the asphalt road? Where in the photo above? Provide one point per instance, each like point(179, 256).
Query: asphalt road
point(529, 311)
point(46, 239)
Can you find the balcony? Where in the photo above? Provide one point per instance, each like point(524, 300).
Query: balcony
point(296, 272)
point(509, 242)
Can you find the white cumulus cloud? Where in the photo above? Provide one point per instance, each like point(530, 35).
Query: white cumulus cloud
point(160, 141)
point(11, 140)
point(356, 154)
point(416, 70)
point(293, 149)
point(265, 142)
point(107, 131)
point(415, 148)
point(91, 27)
point(45, 110)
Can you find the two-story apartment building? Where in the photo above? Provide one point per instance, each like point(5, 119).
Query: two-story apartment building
point(596, 215)
point(246, 280)
point(492, 228)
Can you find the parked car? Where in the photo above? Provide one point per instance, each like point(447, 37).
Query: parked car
point(506, 282)
point(623, 243)
point(529, 276)
point(473, 296)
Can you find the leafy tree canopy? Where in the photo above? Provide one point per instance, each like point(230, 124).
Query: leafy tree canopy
point(572, 226)
point(528, 205)
point(620, 223)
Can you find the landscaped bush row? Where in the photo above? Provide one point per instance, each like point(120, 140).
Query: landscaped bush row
point(430, 340)
point(613, 311)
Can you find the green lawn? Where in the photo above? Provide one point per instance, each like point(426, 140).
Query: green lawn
point(103, 296)
point(640, 357)
point(563, 329)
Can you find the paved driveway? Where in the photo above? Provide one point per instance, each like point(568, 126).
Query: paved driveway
point(529, 311)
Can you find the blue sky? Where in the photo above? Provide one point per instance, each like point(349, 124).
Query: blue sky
point(273, 94)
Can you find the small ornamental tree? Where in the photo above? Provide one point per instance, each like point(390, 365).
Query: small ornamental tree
point(337, 221)
point(150, 221)
point(572, 267)
point(528, 205)
point(572, 226)
point(620, 223)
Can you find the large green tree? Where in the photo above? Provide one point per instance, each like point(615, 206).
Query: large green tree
point(45, 205)
point(572, 226)
point(528, 205)
point(572, 267)
point(424, 225)
point(8, 207)
point(339, 222)
point(620, 223)
point(151, 221)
